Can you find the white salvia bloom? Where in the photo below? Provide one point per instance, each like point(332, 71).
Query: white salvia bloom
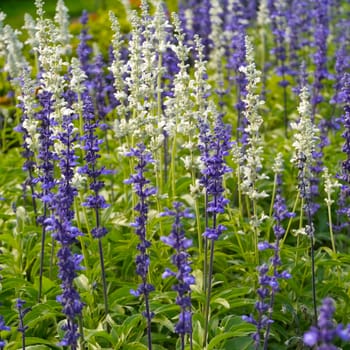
point(2, 42)
point(218, 51)
point(134, 65)
point(250, 170)
point(62, 19)
point(118, 67)
point(156, 142)
point(15, 62)
point(76, 84)
point(278, 164)
point(161, 24)
point(179, 107)
point(305, 136)
point(330, 184)
point(263, 16)
point(30, 27)
point(78, 77)
point(29, 108)
point(256, 221)
point(187, 160)
point(79, 181)
point(39, 5)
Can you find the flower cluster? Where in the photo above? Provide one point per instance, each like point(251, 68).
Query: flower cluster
point(321, 33)
point(94, 201)
point(143, 190)
point(21, 313)
point(65, 233)
point(323, 336)
point(214, 148)
point(180, 243)
point(269, 283)
point(251, 162)
point(345, 173)
point(305, 144)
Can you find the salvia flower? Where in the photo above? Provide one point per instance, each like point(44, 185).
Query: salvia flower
point(321, 32)
point(269, 275)
point(214, 149)
point(62, 20)
point(21, 313)
point(185, 279)
point(345, 171)
point(143, 190)
point(304, 143)
point(326, 332)
point(65, 233)
point(84, 50)
point(3, 327)
point(91, 147)
point(251, 163)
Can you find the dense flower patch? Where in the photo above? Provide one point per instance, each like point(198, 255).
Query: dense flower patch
point(180, 181)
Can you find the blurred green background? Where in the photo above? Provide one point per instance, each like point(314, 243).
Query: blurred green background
point(15, 9)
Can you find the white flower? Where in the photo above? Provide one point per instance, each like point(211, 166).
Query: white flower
point(305, 136)
point(251, 159)
point(263, 16)
point(62, 20)
point(30, 27)
point(15, 61)
point(329, 186)
point(78, 77)
point(278, 164)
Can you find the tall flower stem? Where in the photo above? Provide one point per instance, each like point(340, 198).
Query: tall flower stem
point(143, 191)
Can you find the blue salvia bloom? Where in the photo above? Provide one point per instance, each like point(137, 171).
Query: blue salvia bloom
point(180, 243)
point(3, 327)
point(65, 233)
point(214, 148)
point(91, 147)
point(84, 50)
point(299, 20)
point(278, 12)
point(198, 23)
point(326, 332)
point(235, 61)
point(98, 88)
point(46, 154)
point(269, 283)
point(345, 174)
point(110, 81)
point(342, 62)
point(21, 313)
point(321, 32)
point(143, 190)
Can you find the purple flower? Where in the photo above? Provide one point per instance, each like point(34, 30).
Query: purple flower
point(321, 32)
point(3, 327)
point(21, 313)
point(65, 233)
point(84, 51)
point(214, 148)
point(343, 201)
point(143, 190)
point(199, 22)
point(269, 282)
point(180, 243)
point(323, 335)
point(92, 147)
